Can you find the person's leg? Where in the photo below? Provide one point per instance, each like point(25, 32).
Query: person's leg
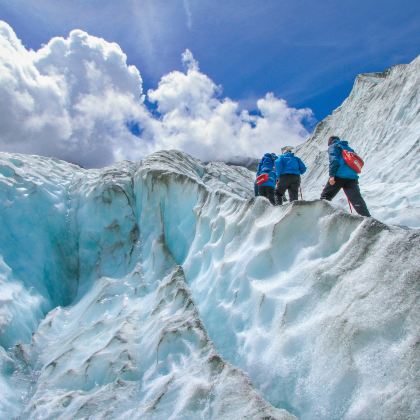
point(352, 191)
point(255, 189)
point(262, 191)
point(278, 197)
point(330, 191)
point(267, 192)
point(270, 195)
point(294, 183)
point(281, 189)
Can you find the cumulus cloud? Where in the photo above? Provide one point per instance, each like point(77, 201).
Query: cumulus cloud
point(70, 99)
point(197, 119)
point(76, 97)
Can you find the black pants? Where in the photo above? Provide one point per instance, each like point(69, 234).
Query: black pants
point(255, 189)
point(352, 191)
point(289, 182)
point(267, 192)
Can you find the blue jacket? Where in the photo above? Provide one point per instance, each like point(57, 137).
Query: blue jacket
point(337, 165)
point(288, 163)
point(266, 166)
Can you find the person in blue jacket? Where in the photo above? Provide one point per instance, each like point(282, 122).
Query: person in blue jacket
point(342, 176)
point(289, 168)
point(266, 166)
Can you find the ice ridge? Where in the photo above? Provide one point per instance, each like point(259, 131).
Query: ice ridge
point(381, 120)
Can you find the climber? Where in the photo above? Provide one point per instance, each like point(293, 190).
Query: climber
point(343, 176)
point(266, 176)
point(289, 168)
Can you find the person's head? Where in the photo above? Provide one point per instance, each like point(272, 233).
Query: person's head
point(286, 149)
point(274, 156)
point(332, 139)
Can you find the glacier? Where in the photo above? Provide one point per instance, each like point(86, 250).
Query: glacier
point(104, 323)
point(154, 290)
point(164, 289)
point(380, 119)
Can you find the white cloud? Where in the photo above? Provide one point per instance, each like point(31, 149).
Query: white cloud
point(188, 13)
point(73, 98)
point(70, 99)
point(195, 118)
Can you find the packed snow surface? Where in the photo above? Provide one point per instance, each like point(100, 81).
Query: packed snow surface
point(162, 289)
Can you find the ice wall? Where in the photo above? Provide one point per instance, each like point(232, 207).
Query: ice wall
point(120, 334)
point(318, 307)
point(178, 295)
point(381, 120)
point(37, 242)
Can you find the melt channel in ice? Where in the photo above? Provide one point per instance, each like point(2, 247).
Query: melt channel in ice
point(154, 290)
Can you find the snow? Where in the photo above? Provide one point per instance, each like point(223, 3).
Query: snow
point(164, 289)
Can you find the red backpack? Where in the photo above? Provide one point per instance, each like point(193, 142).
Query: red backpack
point(353, 160)
point(262, 178)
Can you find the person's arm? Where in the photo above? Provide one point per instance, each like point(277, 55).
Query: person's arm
point(279, 167)
point(334, 156)
point(302, 167)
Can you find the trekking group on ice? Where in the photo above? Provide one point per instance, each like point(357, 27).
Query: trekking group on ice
point(278, 174)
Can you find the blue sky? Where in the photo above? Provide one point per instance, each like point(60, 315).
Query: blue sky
point(307, 52)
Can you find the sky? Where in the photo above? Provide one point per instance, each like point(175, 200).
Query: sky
point(253, 68)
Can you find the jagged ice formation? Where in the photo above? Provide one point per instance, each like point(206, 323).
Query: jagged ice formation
point(155, 291)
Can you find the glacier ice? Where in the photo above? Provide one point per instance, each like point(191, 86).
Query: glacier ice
point(380, 118)
point(163, 289)
point(116, 331)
